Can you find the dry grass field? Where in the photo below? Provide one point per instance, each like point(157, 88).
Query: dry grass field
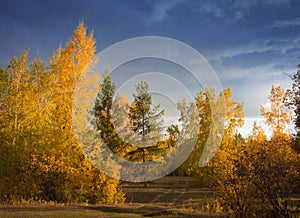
point(166, 197)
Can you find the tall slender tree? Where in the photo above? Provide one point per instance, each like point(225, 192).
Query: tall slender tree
point(103, 107)
point(278, 117)
point(144, 117)
point(146, 122)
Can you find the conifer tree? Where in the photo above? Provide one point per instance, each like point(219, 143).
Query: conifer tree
point(146, 122)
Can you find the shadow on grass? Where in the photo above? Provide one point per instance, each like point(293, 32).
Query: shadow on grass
point(141, 210)
point(148, 211)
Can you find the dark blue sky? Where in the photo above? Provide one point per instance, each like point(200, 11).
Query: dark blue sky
point(249, 43)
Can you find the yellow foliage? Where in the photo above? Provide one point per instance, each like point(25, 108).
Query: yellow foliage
point(277, 118)
point(40, 157)
point(254, 178)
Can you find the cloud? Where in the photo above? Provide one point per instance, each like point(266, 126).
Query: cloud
point(232, 11)
point(244, 4)
point(276, 2)
point(160, 10)
point(248, 4)
point(281, 45)
point(212, 8)
point(251, 81)
point(253, 74)
point(284, 24)
point(252, 86)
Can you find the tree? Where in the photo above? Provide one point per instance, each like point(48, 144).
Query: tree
point(144, 117)
point(230, 180)
point(103, 107)
point(145, 121)
point(293, 102)
point(234, 114)
point(21, 110)
point(173, 133)
point(277, 118)
point(273, 174)
point(110, 117)
point(67, 66)
point(121, 123)
point(255, 177)
point(191, 114)
point(40, 158)
point(226, 111)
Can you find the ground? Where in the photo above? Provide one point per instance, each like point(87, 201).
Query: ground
point(166, 197)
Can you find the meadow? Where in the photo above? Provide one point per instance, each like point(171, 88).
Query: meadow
point(166, 197)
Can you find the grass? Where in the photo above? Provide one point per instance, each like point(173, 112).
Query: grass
point(64, 211)
point(166, 197)
point(124, 210)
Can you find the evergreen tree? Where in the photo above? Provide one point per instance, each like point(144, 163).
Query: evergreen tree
point(103, 107)
point(146, 122)
point(144, 117)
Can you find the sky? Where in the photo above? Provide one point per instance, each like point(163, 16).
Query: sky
point(250, 44)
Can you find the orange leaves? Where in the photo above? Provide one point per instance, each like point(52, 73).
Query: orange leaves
point(255, 176)
point(76, 58)
point(234, 112)
point(278, 117)
point(39, 156)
